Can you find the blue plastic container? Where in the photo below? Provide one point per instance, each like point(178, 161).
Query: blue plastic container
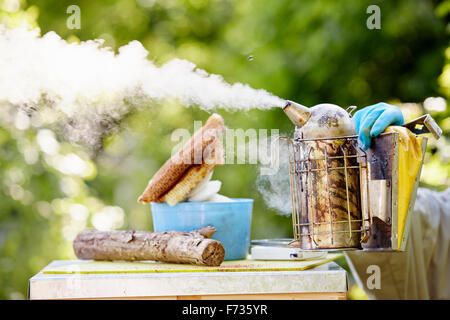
point(231, 219)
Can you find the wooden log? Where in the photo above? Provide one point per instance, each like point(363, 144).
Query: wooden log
point(193, 247)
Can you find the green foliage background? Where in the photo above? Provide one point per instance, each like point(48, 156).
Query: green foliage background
point(310, 51)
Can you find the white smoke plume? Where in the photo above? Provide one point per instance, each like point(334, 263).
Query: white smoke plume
point(87, 89)
point(275, 188)
point(91, 88)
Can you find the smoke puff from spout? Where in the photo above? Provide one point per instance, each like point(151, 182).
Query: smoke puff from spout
point(92, 88)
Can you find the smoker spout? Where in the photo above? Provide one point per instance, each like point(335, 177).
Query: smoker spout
point(297, 113)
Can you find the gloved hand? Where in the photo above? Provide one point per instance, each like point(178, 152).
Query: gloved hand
point(373, 120)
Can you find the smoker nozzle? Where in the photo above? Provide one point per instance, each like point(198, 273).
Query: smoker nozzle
point(297, 113)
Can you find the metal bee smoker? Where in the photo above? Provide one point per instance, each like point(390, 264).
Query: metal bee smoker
point(342, 196)
point(325, 187)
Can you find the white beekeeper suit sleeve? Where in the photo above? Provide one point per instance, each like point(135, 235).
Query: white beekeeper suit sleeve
point(423, 270)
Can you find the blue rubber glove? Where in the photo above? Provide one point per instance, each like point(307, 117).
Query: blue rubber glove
point(373, 120)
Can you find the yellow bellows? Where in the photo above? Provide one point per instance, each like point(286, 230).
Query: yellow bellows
point(409, 162)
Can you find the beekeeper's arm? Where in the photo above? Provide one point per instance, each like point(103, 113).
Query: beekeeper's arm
point(423, 270)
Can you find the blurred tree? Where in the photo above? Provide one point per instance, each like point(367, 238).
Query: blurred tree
point(309, 51)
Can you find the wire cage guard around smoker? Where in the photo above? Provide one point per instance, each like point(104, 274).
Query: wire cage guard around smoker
point(326, 213)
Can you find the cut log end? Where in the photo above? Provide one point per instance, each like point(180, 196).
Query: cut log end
point(214, 254)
